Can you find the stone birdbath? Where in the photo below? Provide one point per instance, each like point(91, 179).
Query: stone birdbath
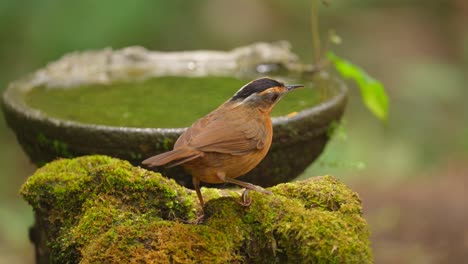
point(299, 137)
point(106, 209)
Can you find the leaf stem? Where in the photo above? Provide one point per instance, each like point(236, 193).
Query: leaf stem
point(315, 31)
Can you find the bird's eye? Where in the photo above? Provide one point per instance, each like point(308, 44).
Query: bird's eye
point(274, 97)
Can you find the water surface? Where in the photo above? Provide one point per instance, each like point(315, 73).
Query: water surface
point(158, 102)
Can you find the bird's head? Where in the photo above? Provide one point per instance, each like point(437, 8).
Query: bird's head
point(262, 93)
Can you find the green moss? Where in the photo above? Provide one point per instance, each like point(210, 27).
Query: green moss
point(294, 234)
point(98, 209)
point(150, 241)
point(325, 193)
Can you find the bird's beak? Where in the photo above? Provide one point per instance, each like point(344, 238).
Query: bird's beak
point(293, 86)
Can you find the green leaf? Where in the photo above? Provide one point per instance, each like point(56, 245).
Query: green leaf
point(372, 91)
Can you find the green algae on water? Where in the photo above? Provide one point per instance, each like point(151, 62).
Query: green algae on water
point(159, 102)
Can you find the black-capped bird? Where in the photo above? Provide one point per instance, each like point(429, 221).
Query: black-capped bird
point(231, 140)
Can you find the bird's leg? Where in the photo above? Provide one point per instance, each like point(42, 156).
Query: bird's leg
point(196, 185)
point(246, 185)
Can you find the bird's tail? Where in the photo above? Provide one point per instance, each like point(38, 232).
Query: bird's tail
point(173, 158)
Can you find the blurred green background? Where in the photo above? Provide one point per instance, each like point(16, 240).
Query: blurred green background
point(411, 173)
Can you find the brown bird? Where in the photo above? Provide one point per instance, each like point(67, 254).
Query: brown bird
point(231, 140)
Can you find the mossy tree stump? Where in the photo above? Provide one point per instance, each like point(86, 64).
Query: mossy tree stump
point(97, 209)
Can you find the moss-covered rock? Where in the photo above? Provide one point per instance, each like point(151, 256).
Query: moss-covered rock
point(97, 209)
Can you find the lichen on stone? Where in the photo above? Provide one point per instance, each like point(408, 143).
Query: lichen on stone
point(97, 209)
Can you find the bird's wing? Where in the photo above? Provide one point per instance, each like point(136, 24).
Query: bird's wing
point(231, 133)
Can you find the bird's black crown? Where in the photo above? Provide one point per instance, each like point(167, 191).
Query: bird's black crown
point(255, 86)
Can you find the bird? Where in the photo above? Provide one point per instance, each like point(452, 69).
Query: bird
point(229, 141)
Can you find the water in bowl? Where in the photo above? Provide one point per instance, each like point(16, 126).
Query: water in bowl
point(162, 102)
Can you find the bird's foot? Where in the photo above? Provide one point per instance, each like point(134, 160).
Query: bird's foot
point(199, 219)
point(245, 201)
